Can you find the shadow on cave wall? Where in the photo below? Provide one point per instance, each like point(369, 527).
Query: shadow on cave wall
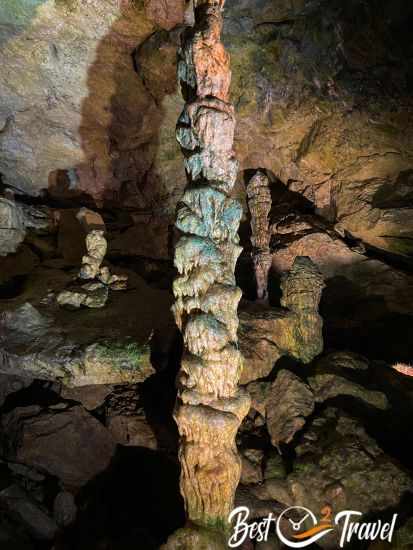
point(120, 137)
point(121, 118)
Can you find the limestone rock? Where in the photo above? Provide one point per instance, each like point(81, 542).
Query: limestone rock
point(93, 297)
point(90, 221)
point(302, 286)
point(289, 403)
point(350, 275)
point(86, 347)
point(12, 228)
point(209, 406)
point(340, 464)
point(259, 506)
point(73, 111)
point(327, 386)
point(73, 226)
point(274, 467)
point(95, 292)
point(259, 204)
point(339, 360)
point(251, 472)
point(32, 515)
point(258, 341)
point(64, 509)
point(75, 446)
point(90, 397)
point(132, 430)
point(266, 334)
point(259, 392)
point(313, 116)
point(96, 246)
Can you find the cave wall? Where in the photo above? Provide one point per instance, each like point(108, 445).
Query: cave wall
point(322, 92)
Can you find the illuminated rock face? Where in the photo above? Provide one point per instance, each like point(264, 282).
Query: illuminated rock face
point(210, 406)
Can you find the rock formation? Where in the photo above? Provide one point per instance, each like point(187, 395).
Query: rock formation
point(95, 292)
point(403, 369)
point(259, 203)
point(209, 407)
point(266, 334)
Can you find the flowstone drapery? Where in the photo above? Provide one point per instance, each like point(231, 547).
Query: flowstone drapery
point(210, 406)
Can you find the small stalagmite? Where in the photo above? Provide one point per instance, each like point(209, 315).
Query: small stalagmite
point(95, 291)
point(259, 203)
point(210, 405)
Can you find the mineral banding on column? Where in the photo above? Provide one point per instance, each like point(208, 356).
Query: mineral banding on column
point(210, 406)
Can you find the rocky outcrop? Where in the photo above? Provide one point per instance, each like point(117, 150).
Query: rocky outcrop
point(75, 446)
point(266, 334)
point(12, 229)
point(33, 345)
point(209, 408)
point(15, 220)
point(346, 468)
point(290, 402)
point(259, 204)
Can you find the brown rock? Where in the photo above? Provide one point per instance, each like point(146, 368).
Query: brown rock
point(165, 13)
point(259, 204)
point(259, 392)
point(69, 444)
point(32, 515)
point(251, 472)
point(90, 397)
point(132, 431)
point(289, 403)
point(339, 463)
point(64, 509)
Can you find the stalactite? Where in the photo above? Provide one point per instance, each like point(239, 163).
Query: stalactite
point(259, 202)
point(210, 406)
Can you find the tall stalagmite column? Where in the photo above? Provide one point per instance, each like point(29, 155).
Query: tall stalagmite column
point(259, 202)
point(210, 406)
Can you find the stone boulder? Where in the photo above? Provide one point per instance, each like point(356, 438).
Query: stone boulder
point(68, 443)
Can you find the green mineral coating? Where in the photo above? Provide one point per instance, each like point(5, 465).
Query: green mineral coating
point(18, 12)
point(400, 245)
point(303, 467)
point(275, 468)
point(217, 524)
point(123, 355)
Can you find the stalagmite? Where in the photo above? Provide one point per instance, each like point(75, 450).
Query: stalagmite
point(259, 202)
point(210, 406)
point(94, 293)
